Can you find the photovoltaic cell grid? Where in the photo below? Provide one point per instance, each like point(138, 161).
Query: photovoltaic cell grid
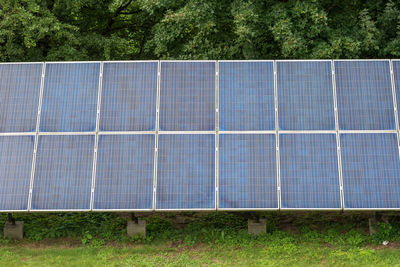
point(70, 97)
point(125, 172)
point(15, 171)
point(19, 96)
point(63, 181)
point(371, 170)
point(63, 175)
point(309, 171)
point(364, 95)
point(129, 94)
point(247, 171)
point(186, 171)
point(396, 75)
point(305, 95)
point(246, 96)
point(187, 96)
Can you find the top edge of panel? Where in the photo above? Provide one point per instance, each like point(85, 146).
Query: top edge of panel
point(172, 60)
point(130, 61)
point(248, 60)
point(355, 60)
point(21, 63)
point(189, 61)
point(303, 60)
point(73, 62)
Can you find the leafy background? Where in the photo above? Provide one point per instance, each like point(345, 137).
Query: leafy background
point(46, 30)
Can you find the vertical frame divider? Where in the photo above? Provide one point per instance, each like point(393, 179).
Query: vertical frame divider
point(278, 173)
point(96, 140)
point(157, 128)
point(395, 103)
point(339, 155)
point(36, 136)
point(216, 134)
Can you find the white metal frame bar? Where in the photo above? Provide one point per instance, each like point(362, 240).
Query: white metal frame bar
point(157, 126)
point(313, 209)
point(366, 131)
point(122, 210)
point(248, 132)
point(307, 132)
point(36, 137)
point(186, 132)
point(244, 60)
point(395, 103)
point(96, 140)
point(66, 133)
point(130, 61)
point(339, 155)
point(248, 209)
point(216, 200)
point(126, 132)
point(302, 60)
point(278, 166)
point(187, 61)
point(372, 209)
point(19, 134)
point(61, 210)
point(72, 62)
point(354, 60)
point(181, 210)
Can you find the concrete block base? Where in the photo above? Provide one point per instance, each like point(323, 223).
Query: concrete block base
point(257, 228)
point(14, 231)
point(134, 228)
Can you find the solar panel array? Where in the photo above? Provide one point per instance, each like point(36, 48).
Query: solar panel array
point(199, 135)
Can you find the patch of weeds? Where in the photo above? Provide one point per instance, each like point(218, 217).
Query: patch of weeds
point(87, 237)
point(97, 243)
point(355, 238)
point(384, 231)
point(140, 239)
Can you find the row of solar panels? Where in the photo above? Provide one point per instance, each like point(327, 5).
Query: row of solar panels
point(142, 135)
point(187, 100)
point(247, 172)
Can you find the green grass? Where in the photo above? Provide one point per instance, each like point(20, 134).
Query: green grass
point(220, 239)
point(271, 253)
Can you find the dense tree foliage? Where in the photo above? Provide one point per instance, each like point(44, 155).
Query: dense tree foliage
point(38, 30)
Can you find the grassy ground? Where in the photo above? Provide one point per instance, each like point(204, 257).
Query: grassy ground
point(220, 239)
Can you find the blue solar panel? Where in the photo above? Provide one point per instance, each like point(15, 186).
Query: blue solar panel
point(129, 95)
point(70, 97)
point(309, 171)
point(187, 96)
point(247, 171)
point(396, 72)
point(186, 171)
point(19, 96)
point(305, 95)
point(63, 172)
point(246, 96)
point(364, 95)
point(370, 170)
point(15, 171)
point(124, 172)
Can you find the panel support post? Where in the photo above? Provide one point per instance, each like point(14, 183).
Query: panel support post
point(13, 229)
point(372, 222)
point(136, 226)
point(257, 227)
